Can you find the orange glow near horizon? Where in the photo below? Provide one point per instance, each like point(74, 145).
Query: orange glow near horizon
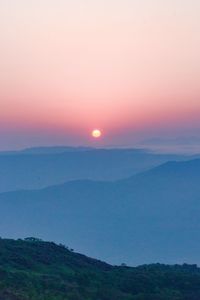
point(128, 67)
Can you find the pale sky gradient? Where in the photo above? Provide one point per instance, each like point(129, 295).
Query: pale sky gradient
point(130, 68)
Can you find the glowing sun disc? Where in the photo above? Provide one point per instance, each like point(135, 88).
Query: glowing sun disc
point(96, 133)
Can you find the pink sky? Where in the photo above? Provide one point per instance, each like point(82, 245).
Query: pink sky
point(127, 67)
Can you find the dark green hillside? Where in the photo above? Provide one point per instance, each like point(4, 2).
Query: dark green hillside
point(33, 269)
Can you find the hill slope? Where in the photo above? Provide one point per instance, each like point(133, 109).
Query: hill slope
point(41, 167)
point(37, 270)
point(154, 216)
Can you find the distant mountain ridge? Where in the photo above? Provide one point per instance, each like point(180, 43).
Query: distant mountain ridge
point(41, 167)
point(153, 216)
point(47, 150)
point(61, 149)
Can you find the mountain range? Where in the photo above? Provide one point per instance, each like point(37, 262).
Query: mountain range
point(148, 217)
point(36, 168)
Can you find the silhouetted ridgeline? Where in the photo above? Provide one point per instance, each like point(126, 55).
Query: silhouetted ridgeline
point(149, 217)
point(41, 167)
point(31, 269)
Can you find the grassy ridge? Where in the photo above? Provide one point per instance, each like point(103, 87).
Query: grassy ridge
point(35, 270)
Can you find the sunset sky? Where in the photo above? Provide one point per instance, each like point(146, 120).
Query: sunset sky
point(130, 68)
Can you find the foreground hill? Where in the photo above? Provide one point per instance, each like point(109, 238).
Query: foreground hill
point(35, 270)
point(154, 216)
point(41, 167)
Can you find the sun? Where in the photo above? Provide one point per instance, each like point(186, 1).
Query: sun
point(96, 133)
